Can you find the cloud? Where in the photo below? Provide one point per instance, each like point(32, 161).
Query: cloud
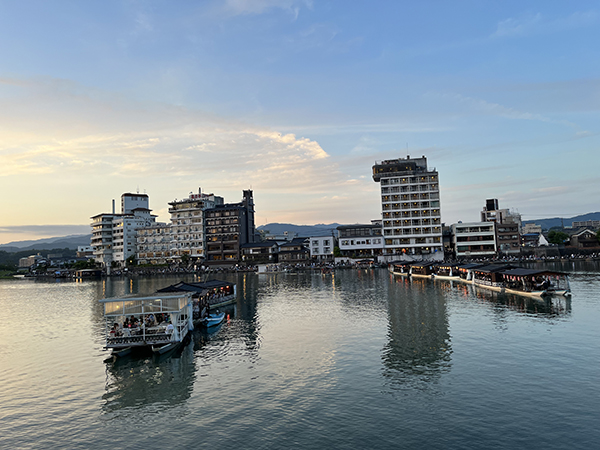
point(532, 24)
point(496, 109)
point(87, 146)
point(242, 7)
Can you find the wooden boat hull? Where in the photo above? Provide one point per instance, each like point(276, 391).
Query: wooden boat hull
point(418, 275)
point(162, 349)
point(504, 290)
point(122, 352)
point(447, 277)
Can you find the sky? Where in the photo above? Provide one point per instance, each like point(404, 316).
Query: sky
point(295, 99)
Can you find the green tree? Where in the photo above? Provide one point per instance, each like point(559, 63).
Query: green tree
point(131, 261)
point(337, 252)
point(557, 237)
point(598, 234)
point(185, 259)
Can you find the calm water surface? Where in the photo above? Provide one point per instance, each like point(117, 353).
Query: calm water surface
point(357, 359)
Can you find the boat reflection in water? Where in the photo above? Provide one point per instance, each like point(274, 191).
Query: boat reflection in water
point(546, 306)
point(145, 381)
point(418, 350)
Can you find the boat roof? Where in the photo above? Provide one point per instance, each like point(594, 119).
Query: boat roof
point(470, 266)
point(522, 272)
point(492, 268)
point(195, 287)
point(143, 298)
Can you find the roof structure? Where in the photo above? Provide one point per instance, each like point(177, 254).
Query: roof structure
point(195, 287)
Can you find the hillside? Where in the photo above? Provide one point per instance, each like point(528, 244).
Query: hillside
point(567, 222)
point(70, 242)
point(320, 229)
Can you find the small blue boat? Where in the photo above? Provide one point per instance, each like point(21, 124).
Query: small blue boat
point(213, 319)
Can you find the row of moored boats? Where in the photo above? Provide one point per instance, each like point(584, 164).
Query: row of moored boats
point(503, 278)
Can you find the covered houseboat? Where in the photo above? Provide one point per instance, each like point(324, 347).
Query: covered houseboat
point(157, 322)
point(206, 297)
point(401, 268)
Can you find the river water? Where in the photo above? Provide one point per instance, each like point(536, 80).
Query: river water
point(356, 359)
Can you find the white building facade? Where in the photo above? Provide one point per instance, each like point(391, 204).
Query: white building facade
point(154, 244)
point(321, 248)
point(411, 215)
point(187, 224)
point(474, 239)
point(361, 240)
point(114, 235)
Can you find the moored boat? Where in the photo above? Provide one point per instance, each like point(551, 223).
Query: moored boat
point(147, 322)
point(213, 319)
point(205, 296)
point(443, 271)
point(401, 268)
point(536, 283)
point(421, 270)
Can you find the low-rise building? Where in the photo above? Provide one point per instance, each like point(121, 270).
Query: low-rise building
point(260, 252)
point(533, 240)
point(586, 223)
point(474, 239)
point(361, 240)
point(294, 252)
point(508, 239)
point(530, 228)
point(321, 248)
point(85, 251)
point(585, 239)
point(31, 261)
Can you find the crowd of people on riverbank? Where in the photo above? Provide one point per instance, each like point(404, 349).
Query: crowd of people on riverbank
point(318, 265)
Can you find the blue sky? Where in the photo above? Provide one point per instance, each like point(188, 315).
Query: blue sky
point(296, 100)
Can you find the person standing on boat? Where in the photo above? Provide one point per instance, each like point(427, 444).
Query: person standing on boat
point(170, 328)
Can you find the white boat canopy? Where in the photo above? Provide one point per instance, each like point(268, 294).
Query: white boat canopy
point(136, 305)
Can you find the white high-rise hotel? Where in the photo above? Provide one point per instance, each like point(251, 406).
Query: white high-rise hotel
point(410, 204)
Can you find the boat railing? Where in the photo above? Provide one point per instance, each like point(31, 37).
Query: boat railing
point(140, 339)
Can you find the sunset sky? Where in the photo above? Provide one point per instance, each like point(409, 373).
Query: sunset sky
point(295, 100)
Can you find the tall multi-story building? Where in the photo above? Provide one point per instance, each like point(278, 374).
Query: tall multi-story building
point(114, 235)
point(228, 227)
point(102, 238)
point(154, 244)
point(410, 203)
point(187, 224)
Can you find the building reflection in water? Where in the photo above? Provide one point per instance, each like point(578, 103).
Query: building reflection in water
point(418, 350)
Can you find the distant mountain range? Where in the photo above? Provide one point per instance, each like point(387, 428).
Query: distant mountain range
point(560, 221)
point(320, 229)
point(70, 242)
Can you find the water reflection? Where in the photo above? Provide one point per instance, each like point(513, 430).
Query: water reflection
point(144, 381)
point(543, 307)
point(418, 350)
